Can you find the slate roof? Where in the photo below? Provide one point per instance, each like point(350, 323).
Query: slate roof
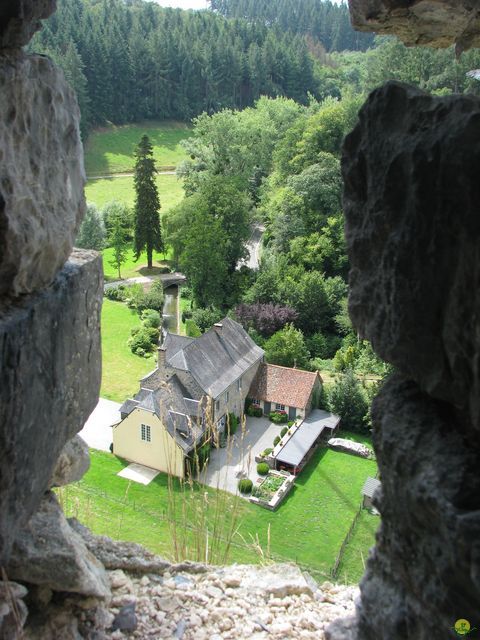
point(215, 359)
point(302, 440)
point(370, 486)
point(291, 387)
point(176, 411)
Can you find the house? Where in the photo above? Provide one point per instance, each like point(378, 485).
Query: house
point(197, 382)
point(282, 388)
point(369, 488)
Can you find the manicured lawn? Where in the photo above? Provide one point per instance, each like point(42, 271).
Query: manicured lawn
point(132, 269)
point(308, 528)
point(111, 149)
point(121, 369)
point(99, 192)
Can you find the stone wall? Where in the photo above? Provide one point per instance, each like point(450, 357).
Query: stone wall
point(411, 197)
point(50, 301)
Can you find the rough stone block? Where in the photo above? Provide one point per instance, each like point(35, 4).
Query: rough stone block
point(49, 383)
point(437, 23)
point(41, 172)
point(48, 552)
point(424, 572)
point(411, 204)
point(19, 19)
point(73, 463)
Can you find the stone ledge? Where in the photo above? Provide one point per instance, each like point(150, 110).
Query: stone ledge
point(49, 383)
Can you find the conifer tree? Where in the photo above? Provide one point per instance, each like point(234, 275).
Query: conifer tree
point(147, 230)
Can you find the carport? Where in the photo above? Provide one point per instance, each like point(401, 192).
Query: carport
point(297, 450)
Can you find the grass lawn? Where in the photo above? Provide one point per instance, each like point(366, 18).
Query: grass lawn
point(110, 149)
point(184, 304)
point(121, 368)
point(130, 268)
point(99, 192)
point(308, 528)
point(352, 565)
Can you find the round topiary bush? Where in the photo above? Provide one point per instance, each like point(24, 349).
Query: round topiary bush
point(276, 441)
point(245, 485)
point(267, 452)
point(283, 431)
point(262, 468)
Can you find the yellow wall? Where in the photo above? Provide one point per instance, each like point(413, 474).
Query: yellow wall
point(161, 453)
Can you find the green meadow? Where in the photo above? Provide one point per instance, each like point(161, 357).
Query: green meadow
point(111, 149)
point(104, 190)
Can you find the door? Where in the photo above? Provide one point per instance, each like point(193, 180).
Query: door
point(267, 407)
point(292, 413)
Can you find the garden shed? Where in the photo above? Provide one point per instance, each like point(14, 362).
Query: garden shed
point(369, 488)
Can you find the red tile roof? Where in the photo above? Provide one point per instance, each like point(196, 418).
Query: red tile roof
point(291, 387)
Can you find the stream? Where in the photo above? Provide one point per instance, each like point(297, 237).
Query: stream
point(170, 306)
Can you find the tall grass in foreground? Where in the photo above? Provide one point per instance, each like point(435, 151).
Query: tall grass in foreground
point(204, 524)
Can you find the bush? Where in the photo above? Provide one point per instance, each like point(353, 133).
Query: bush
point(245, 486)
point(283, 431)
point(290, 423)
point(151, 318)
point(255, 411)
point(267, 452)
point(164, 270)
point(186, 315)
point(185, 292)
point(206, 318)
point(276, 441)
point(192, 330)
point(278, 417)
point(262, 468)
point(232, 424)
point(116, 293)
point(143, 340)
point(151, 299)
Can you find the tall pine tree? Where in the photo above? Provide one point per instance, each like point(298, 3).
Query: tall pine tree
point(147, 230)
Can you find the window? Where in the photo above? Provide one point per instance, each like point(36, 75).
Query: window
point(239, 384)
point(280, 407)
point(217, 406)
point(145, 432)
point(226, 396)
point(256, 401)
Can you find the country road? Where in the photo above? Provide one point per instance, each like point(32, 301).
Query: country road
point(254, 245)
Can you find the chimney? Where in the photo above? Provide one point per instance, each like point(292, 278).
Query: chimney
point(162, 354)
point(218, 326)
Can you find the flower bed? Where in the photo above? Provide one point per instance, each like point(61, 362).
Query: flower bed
point(272, 490)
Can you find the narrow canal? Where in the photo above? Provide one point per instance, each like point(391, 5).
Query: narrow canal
point(170, 310)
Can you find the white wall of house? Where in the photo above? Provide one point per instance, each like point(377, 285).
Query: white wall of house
point(142, 438)
point(299, 412)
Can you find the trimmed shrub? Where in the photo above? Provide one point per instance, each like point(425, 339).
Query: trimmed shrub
point(276, 441)
point(262, 468)
point(255, 411)
point(245, 486)
point(283, 431)
point(267, 452)
point(290, 423)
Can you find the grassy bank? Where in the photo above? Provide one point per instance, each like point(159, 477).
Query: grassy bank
point(111, 149)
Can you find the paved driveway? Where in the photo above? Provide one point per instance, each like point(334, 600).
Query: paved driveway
point(240, 454)
point(97, 431)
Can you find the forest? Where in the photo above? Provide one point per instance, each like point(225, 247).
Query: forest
point(270, 97)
